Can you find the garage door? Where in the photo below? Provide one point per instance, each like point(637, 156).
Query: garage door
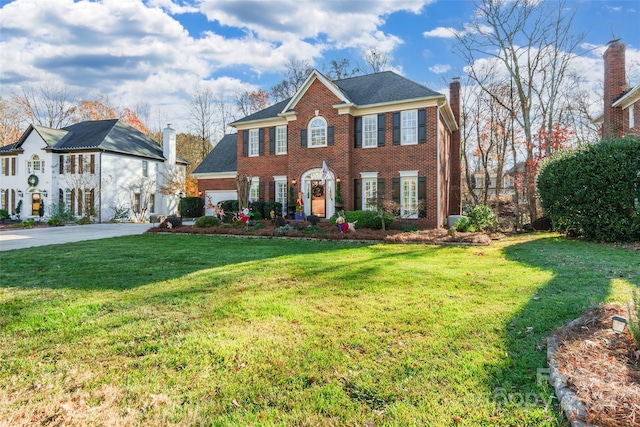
point(212, 197)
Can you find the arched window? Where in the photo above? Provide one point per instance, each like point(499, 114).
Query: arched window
point(35, 165)
point(318, 132)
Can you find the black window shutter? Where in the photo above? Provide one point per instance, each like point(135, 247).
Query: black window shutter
point(380, 194)
point(61, 166)
point(272, 190)
point(422, 196)
point(358, 132)
point(245, 143)
point(396, 128)
point(272, 140)
point(330, 135)
point(261, 191)
point(381, 130)
point(396, 190)
point(422, 126)
point(357, 199)
point(60, 196)
point(261, 141)
point(303, 138)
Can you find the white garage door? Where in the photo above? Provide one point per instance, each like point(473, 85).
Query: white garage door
point(212, 197)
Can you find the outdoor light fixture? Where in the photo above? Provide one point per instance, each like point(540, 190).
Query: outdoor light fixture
point(45, 194)
point(618, 323)
point(19, 193)
point(293, 181)
point(338, 180)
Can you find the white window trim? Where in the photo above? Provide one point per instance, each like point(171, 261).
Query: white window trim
point(403, 135)
point(255, 188)
point(310, 133)
point(281, 140)
point(281, 180)
point(373, 141)
point(405, 176)
point(254, 143)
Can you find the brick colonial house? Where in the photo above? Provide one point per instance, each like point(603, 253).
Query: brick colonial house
point(621, 114)
point(377, 136)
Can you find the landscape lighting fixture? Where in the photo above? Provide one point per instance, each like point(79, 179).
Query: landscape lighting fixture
point(618, 323)
point(19, 193)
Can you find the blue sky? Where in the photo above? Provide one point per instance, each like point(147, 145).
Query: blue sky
point(158, 51)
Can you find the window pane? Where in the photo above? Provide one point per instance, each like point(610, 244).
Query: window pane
point(369, 194)
point(253, 143)
point(281, 140)
point(318, 132)
point(409, 130)
point(370, 131)
point(409, 206)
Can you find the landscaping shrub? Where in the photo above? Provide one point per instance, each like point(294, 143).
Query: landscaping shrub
point(481, 218)
point(257, 216)
point(258, 207)
point(4, 214)
point(464, 225)
point(594, 191)
point(272, 206)
point(191, 207)
point(207, 221)
point(83, 221)
point(313, 219)
point(175, 221)
point(366, 219)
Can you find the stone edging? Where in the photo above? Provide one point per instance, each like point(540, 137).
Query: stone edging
point(573, 408)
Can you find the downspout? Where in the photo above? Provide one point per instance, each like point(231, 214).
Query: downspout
point(100, 188)
point(438, 179)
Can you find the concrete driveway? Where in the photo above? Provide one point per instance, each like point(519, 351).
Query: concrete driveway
point(16, 238)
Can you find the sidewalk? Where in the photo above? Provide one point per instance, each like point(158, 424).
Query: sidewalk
point(17, 238)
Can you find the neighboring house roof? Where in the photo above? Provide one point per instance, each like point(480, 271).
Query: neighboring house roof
point(223, 157)
point(111, 135)
point(371, 89)
point(627, 98)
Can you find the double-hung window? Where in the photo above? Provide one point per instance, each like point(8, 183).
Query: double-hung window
point(409, 127)
point(370, 131)
point(254, 191)
point(409, 194)
point(369, 190)
point(281, 140)
point(254, 143)
point(281, 191)
point(35, 165)
point(318, 132)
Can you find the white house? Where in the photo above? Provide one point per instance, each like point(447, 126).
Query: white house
point(102, 170)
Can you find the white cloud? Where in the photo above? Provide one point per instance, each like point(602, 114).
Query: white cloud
point(440, 68)
point(442, 32)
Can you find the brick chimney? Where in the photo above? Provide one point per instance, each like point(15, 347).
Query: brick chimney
point(169, 145)
point(615, 83)
point(455, 191)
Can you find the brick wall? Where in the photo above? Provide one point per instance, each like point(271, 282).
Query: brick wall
point(216, 184)
point(615, 83)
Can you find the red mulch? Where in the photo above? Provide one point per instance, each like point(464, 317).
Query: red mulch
point(602, 368)
point(330, 232)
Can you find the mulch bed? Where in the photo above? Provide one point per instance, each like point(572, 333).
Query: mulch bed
point(602, 367)
point(324, 230)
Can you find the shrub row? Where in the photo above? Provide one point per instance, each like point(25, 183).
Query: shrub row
point(594, 191)
point(366, 219)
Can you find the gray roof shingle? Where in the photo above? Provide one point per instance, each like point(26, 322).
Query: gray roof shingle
point(370, 89)
point(223, 157)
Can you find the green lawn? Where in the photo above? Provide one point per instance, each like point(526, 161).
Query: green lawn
point(177, 329)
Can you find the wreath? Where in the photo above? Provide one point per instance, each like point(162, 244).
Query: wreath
point(317, 190)
point(32, 180)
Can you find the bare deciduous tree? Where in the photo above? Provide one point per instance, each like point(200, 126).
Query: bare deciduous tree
point(376, 60)
point(9, 123)
point(249, 102)
point(341, 69)
point(46, 105)
point(524, 37)
point(295, 75)
point(202, 112)
point(244, 187)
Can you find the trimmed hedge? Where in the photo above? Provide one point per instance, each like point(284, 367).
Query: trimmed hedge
point(207, 221)
point(595, 191)
point(191, 207)
point(366, 219)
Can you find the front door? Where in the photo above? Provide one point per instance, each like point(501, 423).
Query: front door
point(318, 199)
point(35, 204)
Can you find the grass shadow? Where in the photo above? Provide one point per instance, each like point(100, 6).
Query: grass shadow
point(583, 276)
